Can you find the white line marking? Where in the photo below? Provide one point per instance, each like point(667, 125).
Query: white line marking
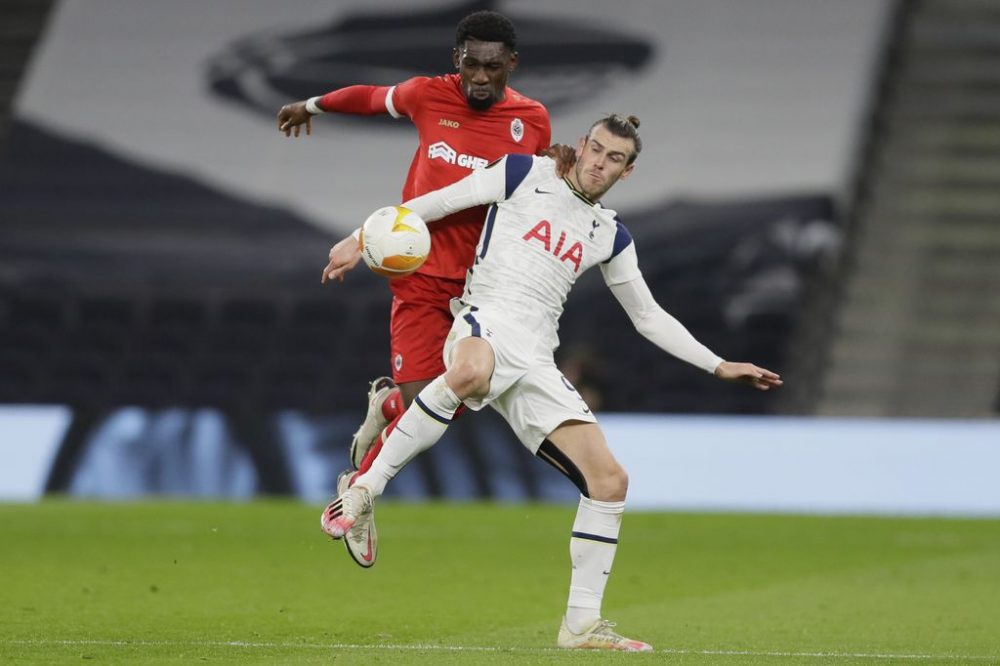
point(476, 648)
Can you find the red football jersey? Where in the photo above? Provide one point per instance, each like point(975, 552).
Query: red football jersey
point(454, 139)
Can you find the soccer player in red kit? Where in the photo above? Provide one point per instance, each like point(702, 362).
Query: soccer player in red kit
point(464, 121)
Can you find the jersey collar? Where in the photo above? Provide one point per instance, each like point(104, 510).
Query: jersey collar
point(578, 193)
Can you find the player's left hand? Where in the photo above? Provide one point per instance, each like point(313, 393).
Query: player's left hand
point(748, 373)
point(565, 157)
point(344, 256)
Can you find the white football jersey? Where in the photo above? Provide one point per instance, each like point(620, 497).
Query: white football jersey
point(540, 236)
point(536, 243)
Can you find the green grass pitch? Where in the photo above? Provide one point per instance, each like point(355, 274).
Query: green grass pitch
point(181, 583)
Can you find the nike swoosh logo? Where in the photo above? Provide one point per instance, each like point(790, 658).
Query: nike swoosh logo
point(586, 411)
point(607, 573)
point(367, 557)
point(538, 191)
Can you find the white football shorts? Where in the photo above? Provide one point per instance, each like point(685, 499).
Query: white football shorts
point(527, 388)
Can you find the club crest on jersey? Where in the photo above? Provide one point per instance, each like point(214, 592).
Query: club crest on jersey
point(517, 129)
point(542, 232)
point(442, 151)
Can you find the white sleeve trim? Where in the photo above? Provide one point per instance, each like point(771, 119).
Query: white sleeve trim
point(482, 186)
point(389, 106)
point(313, 107)
point(659, 327)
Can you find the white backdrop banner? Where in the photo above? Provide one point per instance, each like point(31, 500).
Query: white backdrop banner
point(736, 97)
point(811, 465)
point(681, 463)
point(29, 438)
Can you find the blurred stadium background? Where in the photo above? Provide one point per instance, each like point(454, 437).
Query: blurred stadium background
point(819, 193)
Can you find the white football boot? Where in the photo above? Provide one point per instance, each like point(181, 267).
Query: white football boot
point(374, 421)
point(600, 636)
point(353, 506)
point(361, 538)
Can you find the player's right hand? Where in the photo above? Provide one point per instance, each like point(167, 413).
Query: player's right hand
point(292, 116)
point(748, 373)
point(344, 256)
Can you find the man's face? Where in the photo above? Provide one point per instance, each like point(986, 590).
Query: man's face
point(484, 68)
point(601, 161)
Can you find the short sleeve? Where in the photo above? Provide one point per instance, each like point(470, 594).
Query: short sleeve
point(623, 265)
point(516, 168)
point(404, 98)
point(622, 240)
point(545, 138)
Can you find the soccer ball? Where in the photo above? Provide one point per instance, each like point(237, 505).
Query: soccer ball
point(394, 241)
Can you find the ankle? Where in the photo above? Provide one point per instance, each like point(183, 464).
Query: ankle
point(578, 620)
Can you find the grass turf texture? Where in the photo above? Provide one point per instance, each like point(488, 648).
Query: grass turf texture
point(176, 583)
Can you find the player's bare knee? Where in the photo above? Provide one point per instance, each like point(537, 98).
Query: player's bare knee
point(469, 377)
point(610, 485)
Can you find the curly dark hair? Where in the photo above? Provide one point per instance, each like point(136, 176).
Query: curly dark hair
point(486, 26)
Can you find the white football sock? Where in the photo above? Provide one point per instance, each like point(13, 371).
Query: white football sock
point(592, 549)
point(420, 427)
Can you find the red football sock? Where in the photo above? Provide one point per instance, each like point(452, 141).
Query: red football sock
point(369, 458)
point(393, 405)
point(392, 409)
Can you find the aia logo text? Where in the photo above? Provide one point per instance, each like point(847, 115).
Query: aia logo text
point(542, 233)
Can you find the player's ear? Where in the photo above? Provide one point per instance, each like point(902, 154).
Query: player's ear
point(513, 62)
point(580, 145)
point(627, 172)
point(456, 58)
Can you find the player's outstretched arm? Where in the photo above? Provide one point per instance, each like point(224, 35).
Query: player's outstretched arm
point(623, 276)
point(292, 116)
point(748, 373)
point(343, 257)
point(625, 280)
point(361, 100)
point(482, 186)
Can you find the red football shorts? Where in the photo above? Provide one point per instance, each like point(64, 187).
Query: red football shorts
point(418, 325)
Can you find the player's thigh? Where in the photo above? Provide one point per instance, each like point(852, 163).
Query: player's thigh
point(417, 335)
point(494, 355)
point(585, 446)
point(538, 399)
point(419, 323)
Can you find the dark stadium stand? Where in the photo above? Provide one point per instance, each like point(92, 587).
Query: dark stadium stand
point(152, 346)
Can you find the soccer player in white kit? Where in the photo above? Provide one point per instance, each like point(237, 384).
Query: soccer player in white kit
point(541, 233)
